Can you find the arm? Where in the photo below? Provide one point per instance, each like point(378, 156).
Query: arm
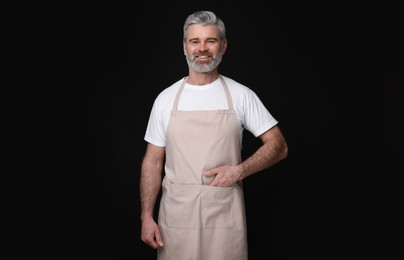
point(273, 149)
point(150, 184)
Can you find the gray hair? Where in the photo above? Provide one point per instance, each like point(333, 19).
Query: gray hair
point(205, 18)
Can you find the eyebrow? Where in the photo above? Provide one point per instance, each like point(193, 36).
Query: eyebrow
point(208, 39)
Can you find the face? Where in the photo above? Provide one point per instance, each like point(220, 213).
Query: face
point(203, 47)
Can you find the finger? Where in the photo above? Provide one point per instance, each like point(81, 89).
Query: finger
point(211, 172)
point(159, 241)
point(208, 173)
point(149, 241)
point(153, 244)
point(213, 183)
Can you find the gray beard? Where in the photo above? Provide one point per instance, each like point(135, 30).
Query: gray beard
point(204, 68)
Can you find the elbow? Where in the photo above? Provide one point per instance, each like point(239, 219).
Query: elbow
point(284, 151)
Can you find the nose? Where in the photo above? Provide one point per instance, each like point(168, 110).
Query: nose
point(203, 47)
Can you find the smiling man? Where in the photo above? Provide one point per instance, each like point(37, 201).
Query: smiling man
point(194, 136)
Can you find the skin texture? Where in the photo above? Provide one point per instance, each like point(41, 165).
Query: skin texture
point(203, 49)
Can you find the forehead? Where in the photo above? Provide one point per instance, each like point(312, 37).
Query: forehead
point(202, 31)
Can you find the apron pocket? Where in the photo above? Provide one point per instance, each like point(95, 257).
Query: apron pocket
point(217, 207)
point(182, 206)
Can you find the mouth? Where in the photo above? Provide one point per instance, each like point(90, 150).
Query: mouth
point(202, 56)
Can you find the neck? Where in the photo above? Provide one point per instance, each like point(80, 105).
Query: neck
point(197, 78)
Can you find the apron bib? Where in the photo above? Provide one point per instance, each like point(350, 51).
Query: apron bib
point(198, 221)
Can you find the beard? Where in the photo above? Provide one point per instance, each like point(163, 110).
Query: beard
point(204, 67)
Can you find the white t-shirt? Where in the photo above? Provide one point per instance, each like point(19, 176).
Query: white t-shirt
point(251, 113)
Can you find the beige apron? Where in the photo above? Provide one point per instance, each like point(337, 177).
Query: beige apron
point(198, 221)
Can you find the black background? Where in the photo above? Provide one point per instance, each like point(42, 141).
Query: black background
point(329, 74)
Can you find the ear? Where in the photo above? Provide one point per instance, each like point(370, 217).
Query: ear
point(183, 47)
point(224, 47)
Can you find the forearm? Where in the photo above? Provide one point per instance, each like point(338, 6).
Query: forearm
point(272, 151)
point(150, 184)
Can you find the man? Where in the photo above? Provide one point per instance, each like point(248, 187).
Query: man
point(194, 133)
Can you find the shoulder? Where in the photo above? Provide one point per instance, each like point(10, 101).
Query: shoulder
point(238, 88)
point(169, 93)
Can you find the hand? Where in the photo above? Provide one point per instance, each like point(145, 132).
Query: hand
point(224, 176)
point(151, 234)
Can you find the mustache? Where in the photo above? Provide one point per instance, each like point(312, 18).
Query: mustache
point(203, 54)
